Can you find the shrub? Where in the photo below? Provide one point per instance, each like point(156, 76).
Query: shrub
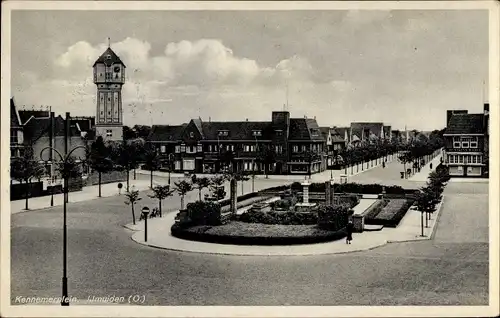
point(333, 218)
point(204, 213)
point(375, 209)
point(281, 205)
point(392, 214)
point(279, 218)
point(347, 199)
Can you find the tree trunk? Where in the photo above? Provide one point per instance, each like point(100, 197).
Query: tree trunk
point(151, 181)
point(99, 174)
point(160, 209)
point(199, 194)
point(27, 194)
point(182, 202)
point(128, 179)
point(133, 212)
point(426, 219)
point(422, 222)
point(134, 174)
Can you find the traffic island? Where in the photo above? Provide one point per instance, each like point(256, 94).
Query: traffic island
point(241, 233)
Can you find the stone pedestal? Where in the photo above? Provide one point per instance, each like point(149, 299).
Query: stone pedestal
point(359, 223)
point(328, 194)
point(305, 192)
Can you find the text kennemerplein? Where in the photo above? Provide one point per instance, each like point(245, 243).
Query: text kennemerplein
point(41, 300)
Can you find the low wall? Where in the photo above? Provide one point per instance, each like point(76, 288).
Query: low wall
point(108, 177)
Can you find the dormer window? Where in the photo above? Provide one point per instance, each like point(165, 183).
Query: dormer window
point(279, 132)
point(257, 133)
point(191, 134)
point(224, 133)
point(108, 57)
point(314, 132)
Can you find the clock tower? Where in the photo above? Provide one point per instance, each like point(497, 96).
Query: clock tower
point(109, 77)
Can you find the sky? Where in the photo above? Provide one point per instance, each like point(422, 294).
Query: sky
point(403, 68)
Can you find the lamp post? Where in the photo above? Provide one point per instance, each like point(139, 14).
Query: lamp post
point(170, 164)
point(145, 212)
point(383, 192)
point(332, 184)
point(64, 161)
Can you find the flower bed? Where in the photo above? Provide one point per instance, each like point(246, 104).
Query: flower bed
point(240, 233)
point(392, 213)
point(281, 218)
point(375, 209)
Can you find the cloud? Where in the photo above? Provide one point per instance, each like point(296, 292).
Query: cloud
point(189, 78)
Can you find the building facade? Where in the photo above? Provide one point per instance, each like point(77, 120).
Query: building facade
point(16, 132)
point(109, 77)
point(283, 145)
point(466, 142)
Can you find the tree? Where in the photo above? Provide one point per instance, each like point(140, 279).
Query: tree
point(200, 184)
point(152, 161)
point(183, 187)
point(99, 159)
point(216, 187)
point(26, 168)
point(405, 158)
point(242, 176)
point(267, 157)
point(132, 198)
point(129, 133)
point(126, 157)
point(161, 192)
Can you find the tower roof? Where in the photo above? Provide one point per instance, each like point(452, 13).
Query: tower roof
point(109, 57)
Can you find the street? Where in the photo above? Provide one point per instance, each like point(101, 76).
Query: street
point(450, 269)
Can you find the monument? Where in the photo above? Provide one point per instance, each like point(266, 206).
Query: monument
point(305, 205)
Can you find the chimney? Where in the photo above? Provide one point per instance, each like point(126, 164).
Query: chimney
point(246, 119)
point(209, 119)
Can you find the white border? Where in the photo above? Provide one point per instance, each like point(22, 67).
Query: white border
point(288, 311)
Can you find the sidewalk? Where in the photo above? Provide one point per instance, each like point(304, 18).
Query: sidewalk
point(87, 193)
point(316, 177)
point(424, 172)
point(408, 230)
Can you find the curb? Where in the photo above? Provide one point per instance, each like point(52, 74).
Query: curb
point(438, 215)
point(256, 255)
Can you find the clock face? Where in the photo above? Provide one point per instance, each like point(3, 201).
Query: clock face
point(116, 69)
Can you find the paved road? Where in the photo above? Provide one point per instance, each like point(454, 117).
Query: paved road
point(103, 261)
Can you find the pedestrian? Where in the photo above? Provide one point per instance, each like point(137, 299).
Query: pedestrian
point(349, 229)
point(430, 165)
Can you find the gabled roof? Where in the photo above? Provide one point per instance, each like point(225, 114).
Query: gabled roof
point(465, 124)
point(84, 124)
point(300, 129)
point(325, 131)
point(357, 129)
point(339, 134)
point(166, 132)
point(113, 58)
point(25, 115)
point(40, 127)
point(237, 130)
point(15, 120)
point(198, 124)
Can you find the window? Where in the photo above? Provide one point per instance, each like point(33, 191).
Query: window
point(191, 134)
point(246, 148)
point(479, 159)
point(109, 133)
point(460, 158)
point(252, 148)
point(200, 148)
point(314, 132)
point(469, 159)
point(109, 76)
point(191, 149)
point(108, 57)
point(465, 144)
point(257, 132)
point(246, 166)
point(456, 142)
point(449, 159)
point(295, 148)
point(189, 164)
point(183, 148)
point(474, 159)
point(177, 165)
point(223, 133)
point(473, 142)
point(163, 149)
point(177, 149)
point(279, 132)
point(304, 149)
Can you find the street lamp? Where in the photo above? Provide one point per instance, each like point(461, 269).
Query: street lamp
point(383, 192)
point(145, 212)
point(64, 160)
point(332, 184)
point(170, 164)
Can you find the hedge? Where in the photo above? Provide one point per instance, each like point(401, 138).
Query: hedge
point(216, 234)
point(279, 218)
point(392, 214)
point(334, 217)
point(203, 213)
point(375, 209)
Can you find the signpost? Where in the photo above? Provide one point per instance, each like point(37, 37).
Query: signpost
point(145, 212)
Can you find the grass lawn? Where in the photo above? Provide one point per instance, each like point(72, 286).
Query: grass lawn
point(263, 230)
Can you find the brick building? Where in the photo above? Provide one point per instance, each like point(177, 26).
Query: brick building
point(466, 143)
point(295, 145)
